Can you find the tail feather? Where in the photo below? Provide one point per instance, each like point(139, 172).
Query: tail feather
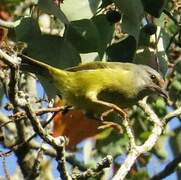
point(33, 66)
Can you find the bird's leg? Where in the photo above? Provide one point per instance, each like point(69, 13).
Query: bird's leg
point(114, 107)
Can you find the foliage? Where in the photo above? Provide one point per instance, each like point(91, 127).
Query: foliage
point(138, 31)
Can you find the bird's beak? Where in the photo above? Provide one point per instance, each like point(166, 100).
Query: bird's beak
point(161, 91)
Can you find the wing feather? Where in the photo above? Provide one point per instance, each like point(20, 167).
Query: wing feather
point(99, 65)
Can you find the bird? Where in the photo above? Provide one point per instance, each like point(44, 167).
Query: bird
point(100, 87)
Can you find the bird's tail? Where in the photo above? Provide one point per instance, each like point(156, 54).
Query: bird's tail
point(58, 76)
point(31, 65)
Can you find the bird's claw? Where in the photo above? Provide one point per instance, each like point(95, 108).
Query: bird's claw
point(107, 124)
point(105, 114)
point(120, 111)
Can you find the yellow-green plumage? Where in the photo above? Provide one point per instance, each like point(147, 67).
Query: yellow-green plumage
point(122, 84)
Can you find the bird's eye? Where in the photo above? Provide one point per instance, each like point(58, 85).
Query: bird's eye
point(153, 77)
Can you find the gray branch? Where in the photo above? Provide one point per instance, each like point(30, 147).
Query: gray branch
point(135, 150)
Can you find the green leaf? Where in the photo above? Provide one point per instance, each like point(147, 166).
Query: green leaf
point(105, 31)
point(160, 107)
point(90, 35)
point(79, 9)
point(176, 85)
point(144, 135)
point(26, 30)
point(105, 3)
point(122, 51)
point(11, 1)
point(84, 36)
point(171, 28)
point(132, 15)
point(53, 50)
point(163, 41)
point(154, 7)
point(144, 38)
point(177, 68)
point(145, 56)
point(49, 7)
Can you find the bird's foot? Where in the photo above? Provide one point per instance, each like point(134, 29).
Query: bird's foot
point(121, 112)
point(114, 107)
point(108, 124)
point(106, 113)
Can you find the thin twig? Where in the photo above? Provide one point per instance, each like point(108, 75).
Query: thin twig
point(5, 169)
point(171, 115)
point(36, 167)
point(11, 61)
point(48, 150)
point(93, 172)
point(19, 145)
point(169, 169)
point(16, 146)
point(8, 24)
point(129, 133)
point(21, 115)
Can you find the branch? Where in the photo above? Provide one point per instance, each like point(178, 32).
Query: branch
point(10, 60)
point(171, 115)
point(16, 146)
point(129, 133)
point(57, 143)
point(135, 150)
point(60, 147)
point(17, 101)
point(48, 150)
point(40, 130)
point(21, 115)
point(36, 167)
point(5, 169)
point(169, 169)
point(8, 25)
point(93, 172)
point(13, 62)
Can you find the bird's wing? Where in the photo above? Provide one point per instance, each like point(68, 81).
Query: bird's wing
point(94, 65)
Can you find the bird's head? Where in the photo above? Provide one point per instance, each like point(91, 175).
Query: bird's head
point(150, 82)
